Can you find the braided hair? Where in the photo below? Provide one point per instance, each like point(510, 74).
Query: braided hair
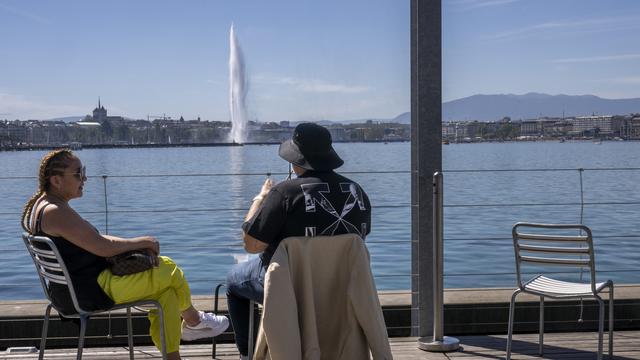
point(53, 163)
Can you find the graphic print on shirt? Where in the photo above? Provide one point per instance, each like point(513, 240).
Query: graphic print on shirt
point(315, 194)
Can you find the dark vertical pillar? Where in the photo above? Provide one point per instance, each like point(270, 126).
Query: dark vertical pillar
point(426, 153)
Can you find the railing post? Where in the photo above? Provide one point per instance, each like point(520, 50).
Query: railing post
point(440, 342)
point(106, 205)
point(580, 172)
point(426, 153)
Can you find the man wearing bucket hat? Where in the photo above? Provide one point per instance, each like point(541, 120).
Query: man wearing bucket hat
point(319, 202)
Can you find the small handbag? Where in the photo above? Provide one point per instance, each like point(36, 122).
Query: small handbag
point(130, 262)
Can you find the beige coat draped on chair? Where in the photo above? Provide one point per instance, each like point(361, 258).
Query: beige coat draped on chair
point(320, 302)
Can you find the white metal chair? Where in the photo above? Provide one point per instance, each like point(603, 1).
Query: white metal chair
point(565, 245)
point(52, 269)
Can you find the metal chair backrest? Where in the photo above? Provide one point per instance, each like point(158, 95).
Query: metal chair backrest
point(50, 267)
point(553, 245)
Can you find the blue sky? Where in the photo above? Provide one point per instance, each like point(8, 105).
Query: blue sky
point(306, 59)
point(572, 47)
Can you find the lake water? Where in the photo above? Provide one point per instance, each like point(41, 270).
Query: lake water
point(194, 201)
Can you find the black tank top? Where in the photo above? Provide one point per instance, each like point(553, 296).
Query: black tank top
point(84, 268)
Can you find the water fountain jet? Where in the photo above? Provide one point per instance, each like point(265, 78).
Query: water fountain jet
point(238, 87)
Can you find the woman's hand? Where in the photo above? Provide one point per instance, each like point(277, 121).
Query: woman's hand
point(152, 244)
point(153, 249)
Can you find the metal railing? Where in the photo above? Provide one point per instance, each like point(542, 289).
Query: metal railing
point(222, 248)
point(578, 205)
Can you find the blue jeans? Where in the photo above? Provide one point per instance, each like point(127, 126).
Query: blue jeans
point(245, 282)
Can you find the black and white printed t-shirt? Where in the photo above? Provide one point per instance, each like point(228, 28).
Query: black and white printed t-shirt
point(314, 204)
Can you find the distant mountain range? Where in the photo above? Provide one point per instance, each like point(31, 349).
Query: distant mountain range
point(529, 106)
point(534, 105)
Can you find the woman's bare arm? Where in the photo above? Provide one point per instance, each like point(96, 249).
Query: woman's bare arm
point(62, 220)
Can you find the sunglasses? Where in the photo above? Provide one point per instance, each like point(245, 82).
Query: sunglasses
point(81, 174)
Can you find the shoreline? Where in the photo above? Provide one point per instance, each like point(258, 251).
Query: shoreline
point(40, 147)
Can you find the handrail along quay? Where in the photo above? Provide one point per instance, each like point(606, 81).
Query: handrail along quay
point(480, 205)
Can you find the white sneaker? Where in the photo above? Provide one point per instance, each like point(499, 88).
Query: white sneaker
point(210, 325)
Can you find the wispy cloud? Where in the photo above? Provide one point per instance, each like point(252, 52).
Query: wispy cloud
point(312, 85)
point(465, 5)
point(585, 25)
point(18, 107)
point(320, 86)
point(24, 14)
point(597, 58)
point(626, 80)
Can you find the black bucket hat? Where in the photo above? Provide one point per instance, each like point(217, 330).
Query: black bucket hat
point(310, 148)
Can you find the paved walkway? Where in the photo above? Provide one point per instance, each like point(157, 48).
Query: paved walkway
point(573, 346)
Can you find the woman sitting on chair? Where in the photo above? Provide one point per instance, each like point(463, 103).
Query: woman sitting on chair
point(84, 250)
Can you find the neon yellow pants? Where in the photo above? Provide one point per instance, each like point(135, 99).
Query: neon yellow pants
point(165, 284)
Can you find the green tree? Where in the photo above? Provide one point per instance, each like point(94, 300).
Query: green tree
point(507, 130)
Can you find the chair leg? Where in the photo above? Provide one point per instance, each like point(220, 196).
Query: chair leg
point(164, 342)
point(215, 311)
point(611, 320)
point(252, 305)
point(130, 333)
point(541, 332)
point(512, 306)
point(600, 326)
point(45, 329)
point(83, 329)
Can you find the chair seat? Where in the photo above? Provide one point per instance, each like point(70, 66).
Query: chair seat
point(558, 288)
